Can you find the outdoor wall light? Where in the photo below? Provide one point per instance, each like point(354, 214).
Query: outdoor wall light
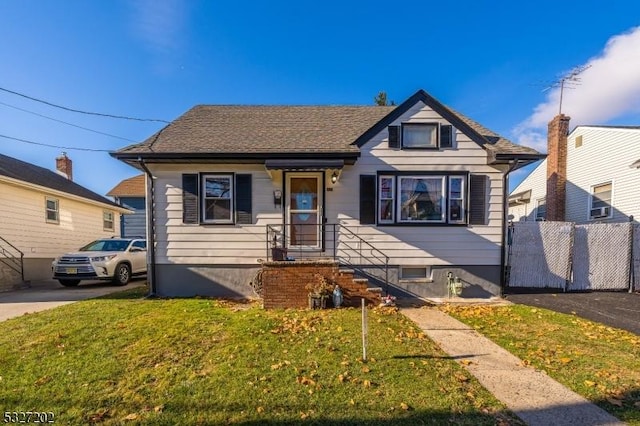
point(334, 177)
point(277, 197)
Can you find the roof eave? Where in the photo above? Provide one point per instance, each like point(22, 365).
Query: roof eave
point(349, 157)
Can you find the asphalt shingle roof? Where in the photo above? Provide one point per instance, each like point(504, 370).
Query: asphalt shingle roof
point(263, 129)
point(27, 172)
point(131, 187)
point(236, 129)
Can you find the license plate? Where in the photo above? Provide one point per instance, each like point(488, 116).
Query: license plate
point(72, 270)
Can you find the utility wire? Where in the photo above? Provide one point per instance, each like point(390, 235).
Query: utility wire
point(68, 148)
point(68, 124)
point(80, 111)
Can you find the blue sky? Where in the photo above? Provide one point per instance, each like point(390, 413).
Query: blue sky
point(490, 60)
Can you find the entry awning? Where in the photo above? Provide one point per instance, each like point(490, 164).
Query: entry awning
point(303, 165)
point(520, 197)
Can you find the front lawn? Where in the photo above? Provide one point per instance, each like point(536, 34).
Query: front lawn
point(598, 362)
point(122, 359)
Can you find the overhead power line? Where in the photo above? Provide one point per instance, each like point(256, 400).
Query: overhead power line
point(68, 148)
point(121, 117)
point(68, 124)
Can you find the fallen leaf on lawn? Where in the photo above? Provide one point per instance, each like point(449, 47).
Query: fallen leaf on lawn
point(303, 415)
point(158, 408)
point(260, 409)
point(615, 401)
point(405, 406)
point(466, 362)
point(352, 402)
point(565, 360)
point(132, 416)
point(636, 404)
point(589, 383)
point(366, 383)
point(42, 380)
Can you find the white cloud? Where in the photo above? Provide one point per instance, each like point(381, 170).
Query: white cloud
point(160, 23)
point(608, 88)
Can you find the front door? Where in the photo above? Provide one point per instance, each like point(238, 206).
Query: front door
point(304, 210)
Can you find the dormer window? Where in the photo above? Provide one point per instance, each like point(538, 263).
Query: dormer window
point(421, 136)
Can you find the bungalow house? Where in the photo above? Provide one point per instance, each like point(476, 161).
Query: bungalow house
point(417, 189)
point(130, 193)
point(589, 176)
point(45, 214)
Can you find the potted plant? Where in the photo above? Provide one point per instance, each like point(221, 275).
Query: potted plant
point(319, 291)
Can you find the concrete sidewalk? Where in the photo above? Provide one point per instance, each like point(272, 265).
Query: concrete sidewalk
point(532, 395)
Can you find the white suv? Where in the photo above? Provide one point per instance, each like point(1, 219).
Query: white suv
point(115, 259)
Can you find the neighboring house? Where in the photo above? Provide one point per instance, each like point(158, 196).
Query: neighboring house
point(45, 214)
point(593, 177)
point(130, 193)
point(424, 185)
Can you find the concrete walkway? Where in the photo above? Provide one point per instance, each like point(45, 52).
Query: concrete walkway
point(50, 294)
point(532, 395)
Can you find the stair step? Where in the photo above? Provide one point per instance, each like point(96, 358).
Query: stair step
point(361, 280)
point(346, 271)
point(374, 289)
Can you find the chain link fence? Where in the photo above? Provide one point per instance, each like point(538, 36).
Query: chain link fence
point(565, 256)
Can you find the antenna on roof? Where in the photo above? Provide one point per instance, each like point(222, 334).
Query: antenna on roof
point(568, 81)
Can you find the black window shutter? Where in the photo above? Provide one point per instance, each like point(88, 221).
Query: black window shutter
point(367, 199)
point(477, 199)
point(243, 199)
point(446, 136)
point(190, 198)
point(394, 136)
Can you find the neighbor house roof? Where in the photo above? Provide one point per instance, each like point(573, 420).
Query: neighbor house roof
point(131, 187)
point(26, 172)
point(231, 131)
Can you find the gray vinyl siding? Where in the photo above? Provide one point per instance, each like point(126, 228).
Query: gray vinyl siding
point(605, 156)
point(133, 225)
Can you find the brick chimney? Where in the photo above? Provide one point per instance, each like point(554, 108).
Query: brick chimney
point(557, 133)
point(65, 166)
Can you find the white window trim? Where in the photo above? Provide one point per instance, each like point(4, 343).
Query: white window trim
point(204, 197)
point(47, 210)
point(393, 199)
point(106, 213)
point(591, 192)
point(463, 195)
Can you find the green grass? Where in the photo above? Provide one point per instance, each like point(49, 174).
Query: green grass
point(122, 359)
point(598, 362)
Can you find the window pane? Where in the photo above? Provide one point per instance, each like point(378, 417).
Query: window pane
point(419, 136)
point(386, 187)
point(218, 187)
point(52, 205)
point(304, 194)
point(304, 229)
point(456, 188)
point(386, 210)
point(421, 199)
point(52, 216)
point(217, 209)
point(455, 210)
point(413, 273)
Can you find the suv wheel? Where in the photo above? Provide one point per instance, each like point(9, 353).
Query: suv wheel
point(122, 274)
point(69, 283)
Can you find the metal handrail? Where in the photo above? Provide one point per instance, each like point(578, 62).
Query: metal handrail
point(341, 249)
point(10, 259)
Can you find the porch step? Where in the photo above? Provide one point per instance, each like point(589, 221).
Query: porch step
point(364, 281)
point(346, 271)
point(375, 289)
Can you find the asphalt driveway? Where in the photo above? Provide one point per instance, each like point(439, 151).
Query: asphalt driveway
point(50, 294)
point(615, 309)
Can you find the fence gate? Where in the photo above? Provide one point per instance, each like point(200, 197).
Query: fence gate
point(602, 257)
point(540, 254)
